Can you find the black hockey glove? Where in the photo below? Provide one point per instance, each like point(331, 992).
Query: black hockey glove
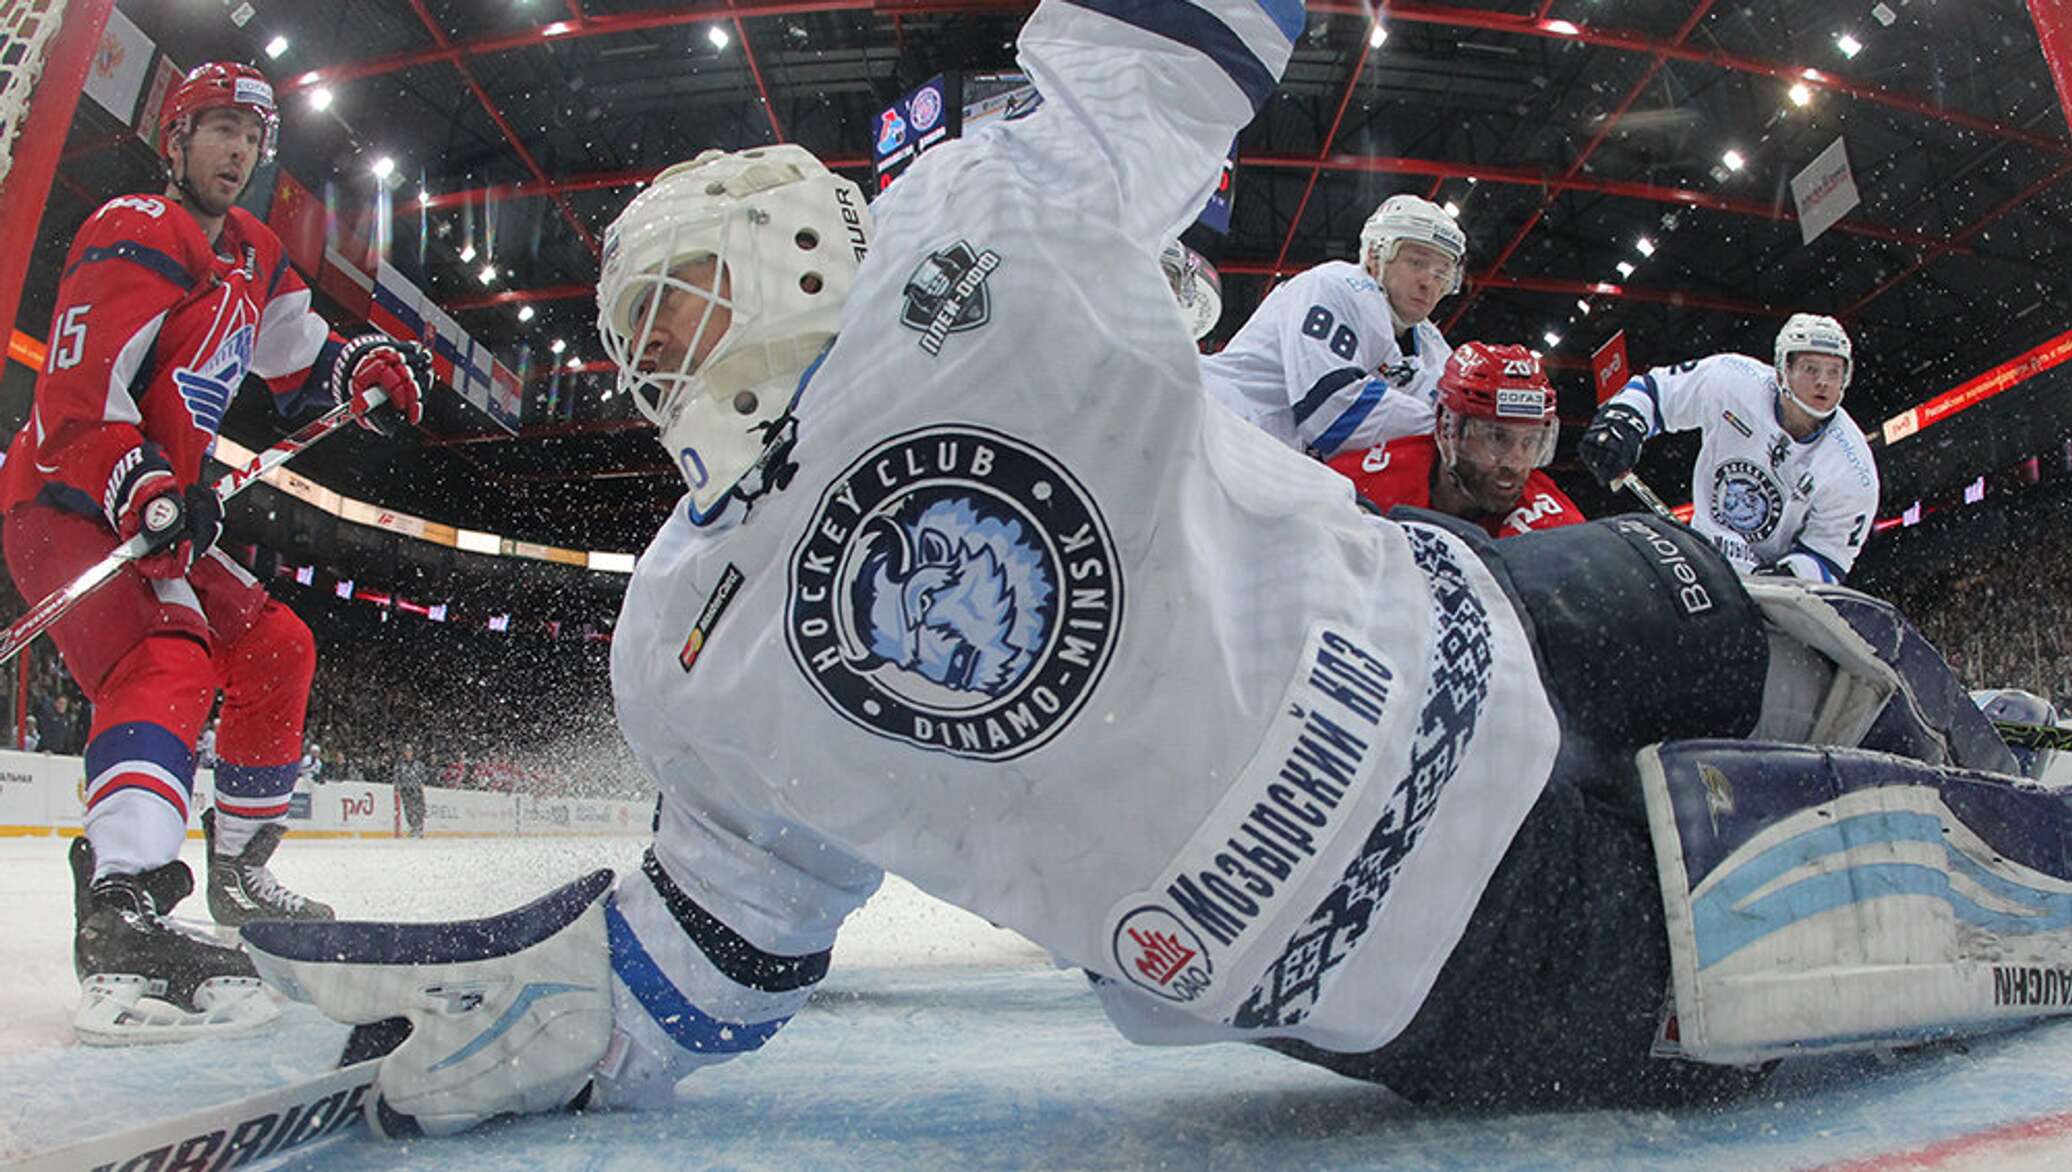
point(1610, 446)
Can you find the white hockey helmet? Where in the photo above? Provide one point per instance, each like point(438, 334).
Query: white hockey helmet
point(789, 235)
point(1417, 220)
point(1195, 285)
point(1812, 333)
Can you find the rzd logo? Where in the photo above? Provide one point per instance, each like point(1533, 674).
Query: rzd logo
point(360, 807)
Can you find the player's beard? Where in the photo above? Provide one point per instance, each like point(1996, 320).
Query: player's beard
point(1481, 489)
point(200, 197)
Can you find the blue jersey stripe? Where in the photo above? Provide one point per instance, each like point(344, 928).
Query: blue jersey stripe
point(1829, 570)
point(1287, 16)
point(1321, 391)
point(150, 258)
point(140, 740)
point(1328, 443)
point(1647, 385)
point(1180, 21)
point(686, 1024)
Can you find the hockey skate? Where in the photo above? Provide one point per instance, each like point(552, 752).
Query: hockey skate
point(242, 890)
point(142, 977)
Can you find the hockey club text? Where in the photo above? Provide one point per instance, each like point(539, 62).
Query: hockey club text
point(955, 589)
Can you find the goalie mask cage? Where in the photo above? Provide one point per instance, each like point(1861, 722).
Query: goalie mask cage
point(46, 49)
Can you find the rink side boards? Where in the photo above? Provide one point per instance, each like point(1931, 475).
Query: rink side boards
point(42, 794)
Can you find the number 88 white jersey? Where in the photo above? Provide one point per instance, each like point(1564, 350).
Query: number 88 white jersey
point(1319, 367)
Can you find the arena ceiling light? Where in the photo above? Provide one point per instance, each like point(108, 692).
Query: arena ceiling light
point(1625, 268)
point(1733, 160)
point(1553, 339)
point(1848, 46)
point(487, 274)
point(1453, 209)
point(467, 252)
point(525, 313)
point(276, 47)
point(1801, 94)
point(718, 36)
point(320, 99)
point(1644, 246)
point(1378, 36)
point(383, 167)
point(559, 345)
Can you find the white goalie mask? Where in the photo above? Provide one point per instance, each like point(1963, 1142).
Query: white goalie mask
point(1419, 221)
point(788, 237)
point(1812, 333)
point(1195, 286)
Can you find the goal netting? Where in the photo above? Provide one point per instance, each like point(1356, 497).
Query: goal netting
point(27, 30)
point(46, 50)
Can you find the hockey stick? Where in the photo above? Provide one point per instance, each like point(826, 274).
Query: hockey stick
point(59, 602)
point(296, 1117)
point(1634, 484)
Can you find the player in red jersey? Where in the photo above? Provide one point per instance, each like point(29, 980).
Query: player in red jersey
point(166, 303)
point(1482, 463)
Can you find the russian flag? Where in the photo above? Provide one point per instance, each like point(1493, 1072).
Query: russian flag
point(398, 308)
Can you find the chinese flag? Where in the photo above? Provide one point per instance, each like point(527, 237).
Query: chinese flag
point(298, 219)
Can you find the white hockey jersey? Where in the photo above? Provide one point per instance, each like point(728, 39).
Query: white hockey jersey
point(1319, 367)
point(1038, 627)
point(1764, 498)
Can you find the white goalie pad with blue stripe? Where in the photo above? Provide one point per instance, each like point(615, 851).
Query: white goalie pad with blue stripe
point(1840, 899)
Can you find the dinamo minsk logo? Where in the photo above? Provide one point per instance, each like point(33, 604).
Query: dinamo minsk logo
point(955, 589)
point(1746, 500)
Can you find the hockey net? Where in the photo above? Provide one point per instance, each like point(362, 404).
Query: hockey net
point(28, 28)
point(46, 51)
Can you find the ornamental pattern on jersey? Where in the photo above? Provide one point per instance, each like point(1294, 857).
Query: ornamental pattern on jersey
point(956, 589)
point(1454, 696)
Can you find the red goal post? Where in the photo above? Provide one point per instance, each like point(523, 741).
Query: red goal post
point(46, 49)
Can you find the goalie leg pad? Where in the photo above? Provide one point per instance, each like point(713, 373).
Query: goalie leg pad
point(507, 1015)
point(1840, 899)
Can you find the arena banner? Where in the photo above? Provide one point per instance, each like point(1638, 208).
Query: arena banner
point(1825, 191)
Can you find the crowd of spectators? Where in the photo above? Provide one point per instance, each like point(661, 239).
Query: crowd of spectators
point(56, 716)
point(1999, 617)
point(514, 713)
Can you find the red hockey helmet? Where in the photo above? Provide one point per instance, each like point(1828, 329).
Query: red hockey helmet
point(1501, 383)
point(219, 85)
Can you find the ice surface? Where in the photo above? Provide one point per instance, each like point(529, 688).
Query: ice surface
point(939, 1041)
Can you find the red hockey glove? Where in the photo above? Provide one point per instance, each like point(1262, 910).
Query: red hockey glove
point(145, 497)
point(401, 371)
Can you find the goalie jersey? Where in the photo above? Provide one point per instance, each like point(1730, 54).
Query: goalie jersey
point(1764, 498)
point(1037, 626)
point(1320, 368)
